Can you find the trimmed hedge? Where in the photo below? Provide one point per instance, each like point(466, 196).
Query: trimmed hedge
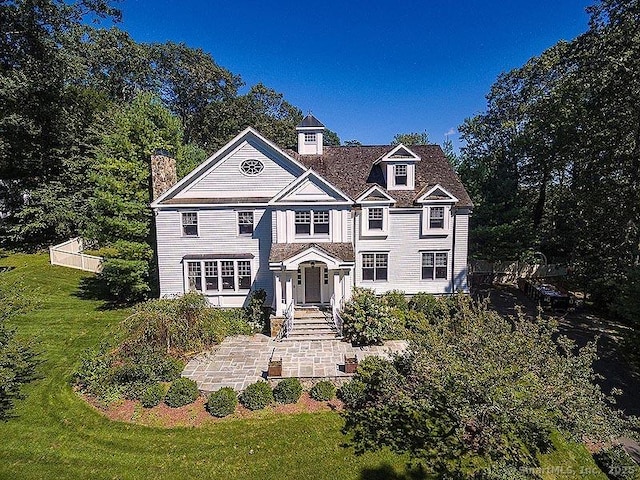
point(222, 402)
point(257, 396)
point(352, 393)
point(152, 395)
point(183, 391)
point(288, 391)
point(323, 391)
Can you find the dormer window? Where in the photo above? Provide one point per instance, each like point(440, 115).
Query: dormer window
point(436, 217)
point(400, 173)
point(375, 218)
point(309, 137)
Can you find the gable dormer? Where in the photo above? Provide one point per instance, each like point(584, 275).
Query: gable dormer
point(399, 168)
point(310, 132)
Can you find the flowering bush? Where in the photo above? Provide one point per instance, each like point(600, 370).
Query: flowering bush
point(366, 319)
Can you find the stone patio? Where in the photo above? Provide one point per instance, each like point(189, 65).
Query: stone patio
point(241, 360)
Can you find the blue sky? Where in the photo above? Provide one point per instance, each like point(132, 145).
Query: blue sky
point(367, 70)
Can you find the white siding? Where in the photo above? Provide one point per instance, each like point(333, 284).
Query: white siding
point(339, 226)
point(461, 250)
point(217, 234)
point(227, 181)
point(404, 245)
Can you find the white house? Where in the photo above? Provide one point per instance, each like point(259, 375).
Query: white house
point(309, 225)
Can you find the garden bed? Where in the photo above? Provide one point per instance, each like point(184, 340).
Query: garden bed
point(195, 415)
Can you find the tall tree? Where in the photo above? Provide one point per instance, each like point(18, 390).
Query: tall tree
point(413, 138)
point(38, 111)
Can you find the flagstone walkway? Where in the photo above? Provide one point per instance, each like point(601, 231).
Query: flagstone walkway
point(241, 360)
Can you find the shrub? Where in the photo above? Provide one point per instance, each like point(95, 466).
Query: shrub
point(366, 319)
point(183, 391)
point(257, 396)
point(254, 312)
point(152, 395)
point(323, 391)
point(133, 250)
point(396, 299)
point(617, 464)
point(352, 393)
point(287, 391)
point(127, 281)
point(222, 402)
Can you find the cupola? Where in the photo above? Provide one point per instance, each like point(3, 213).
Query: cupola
point(310, 132)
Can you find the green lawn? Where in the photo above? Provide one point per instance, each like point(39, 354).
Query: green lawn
point(56, 435)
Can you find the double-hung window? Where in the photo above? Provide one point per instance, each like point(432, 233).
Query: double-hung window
point(303, 223)
point(310, 222)
point(375, 266)
point(211, 276)
point(434, 265)
point(375, 218)
point(190, 224)
point(245, 223)
point(228, 275)
point(436, 217)
point(400, 173)
point(244, 274)
point(321, 223)
point(194, 274)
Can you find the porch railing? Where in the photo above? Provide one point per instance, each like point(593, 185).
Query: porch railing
point(335, 313)
point(288, 318)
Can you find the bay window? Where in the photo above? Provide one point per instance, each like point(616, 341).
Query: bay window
point(219, 276)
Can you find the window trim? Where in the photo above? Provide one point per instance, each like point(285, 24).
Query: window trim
point(183, 225)
point(434, 275)
point(312, 223)
point(218, 269)
point(446, 220)
point(375, 267)
point(405, 175)
point(253, 219)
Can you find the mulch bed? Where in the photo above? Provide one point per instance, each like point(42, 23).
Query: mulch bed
point(195, 415)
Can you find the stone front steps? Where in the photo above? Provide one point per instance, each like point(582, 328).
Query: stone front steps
point(311, 323)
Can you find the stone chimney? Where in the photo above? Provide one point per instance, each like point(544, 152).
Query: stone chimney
point(163, 173)
point(310, 136)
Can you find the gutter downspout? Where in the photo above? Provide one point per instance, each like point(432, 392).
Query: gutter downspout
point(453, 251)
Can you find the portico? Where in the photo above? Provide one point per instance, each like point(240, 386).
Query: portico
point(311, 274)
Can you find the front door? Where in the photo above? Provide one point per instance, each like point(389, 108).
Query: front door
point(312, 285)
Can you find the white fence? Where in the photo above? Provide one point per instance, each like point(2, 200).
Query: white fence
point(481, 271)
point(69, 254)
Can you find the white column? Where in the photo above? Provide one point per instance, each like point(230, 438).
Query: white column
point(288, 288)
point(278, 293)
point(337, 291)
point(348, 283)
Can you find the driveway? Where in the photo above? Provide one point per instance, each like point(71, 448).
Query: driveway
point(582, 326)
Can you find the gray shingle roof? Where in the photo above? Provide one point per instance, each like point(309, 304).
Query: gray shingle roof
point(352, 170)
point(310, 121)
point(339, 250)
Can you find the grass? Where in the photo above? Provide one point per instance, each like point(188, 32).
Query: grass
point(57, 435)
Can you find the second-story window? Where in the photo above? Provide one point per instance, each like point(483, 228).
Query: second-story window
point(309, 222)
point(190, 224)
point(245, 223)
point(375, 219)
point(400, 172)
point(321, 223)
point(436, 217)
point(303, 223)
